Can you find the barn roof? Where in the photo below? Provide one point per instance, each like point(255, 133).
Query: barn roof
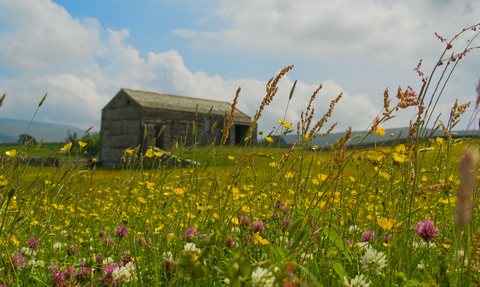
point(180, 103)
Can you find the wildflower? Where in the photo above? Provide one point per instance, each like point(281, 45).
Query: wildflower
point(284, 123)
point(102, 233)
point(426, 230)
point(122, 231)
point(244, 221)
point(66, 147)
point(362, 247)
point(99, 258)
point(439, 140)
point(107, 261)
point(380, 131)
point(129, 151)
point(386, 224)
point(170, 236)
point(27, 251)
point(107, 278)
point(190, 232)
point(190, 247)
point(150, 153)
point(82, 144)
point(58, 279)
point(262, 278)
point(269, 139)
point(229, 242)
point(17, 262)
point(33, 243)
point(287, 222)
point(57, 247)
point(358, 281)
point(257, 226)
point(374, 261)
point(108, 242)
point(368, 236)
point(167, 256)
point(11, 153)
point(353, 229)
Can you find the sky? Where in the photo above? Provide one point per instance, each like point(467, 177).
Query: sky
point(81, 53)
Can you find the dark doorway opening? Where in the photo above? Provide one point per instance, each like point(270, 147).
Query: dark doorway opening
point(240, 133)
point(159, 140)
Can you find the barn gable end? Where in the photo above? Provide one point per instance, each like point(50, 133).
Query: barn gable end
point(125, 117)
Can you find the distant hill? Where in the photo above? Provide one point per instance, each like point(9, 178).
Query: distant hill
point(400, 133)
point(10, 129)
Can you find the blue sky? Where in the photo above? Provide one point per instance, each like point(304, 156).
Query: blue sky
point(82, 52)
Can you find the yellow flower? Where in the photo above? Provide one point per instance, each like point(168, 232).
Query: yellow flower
point(284, 123)
point(439, 141)
point(82, 144)
point(399, 157)
point(306, 136)
point(400, 148)
point(159, 153)
point(380, 131)
point(385, 223)
point(231, 157)
point(142, 200)
point(67, 147)
point(273, 164)
point(129, 151)
point(179, 191)
point(170, 236)
point(160, 227)
point(150, 153)
point(315, 147)
point(189, 215)
point(269, 139)
point(11, 153)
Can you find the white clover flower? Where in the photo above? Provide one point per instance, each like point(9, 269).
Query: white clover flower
point(227, 281)
point(358, 281)
point(190, 247)
point(461, 253)
point(374, 261)
point(41, 263)
point(64, 233)
point(236, 229)
point(31, 263)
point(57, 247)
point(167, 256)
point(305, 257)
point(362, 247)
point(353, 229)
point(262, 278)
point(420, 266)
point(27, 251)
point(121, 274)
point(107, 261)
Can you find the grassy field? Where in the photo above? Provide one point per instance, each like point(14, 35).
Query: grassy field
point(403, 215)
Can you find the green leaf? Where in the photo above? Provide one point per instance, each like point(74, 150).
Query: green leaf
point(333, 236)
point(295, 227)
point(339, 269)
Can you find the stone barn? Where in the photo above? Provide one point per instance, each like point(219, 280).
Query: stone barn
point(125, 117)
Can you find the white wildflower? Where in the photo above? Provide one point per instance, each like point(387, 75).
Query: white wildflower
point(262, 278)
point(167, 256)
point(107, 261)
point(374, 261)
point(27, 251)
point(64, 233)
point(353, 229)
point(31, 263)
point(57, 247)
point(358, 281)
point(362, 247)
point(190, 247)
point(236, 229)
point(227, 281)
point(121, 274)
point(305, 257)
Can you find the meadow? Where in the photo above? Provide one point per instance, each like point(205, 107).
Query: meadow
point(400, 215)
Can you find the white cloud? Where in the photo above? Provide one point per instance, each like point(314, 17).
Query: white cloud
point(116, 37)
point(41, 34)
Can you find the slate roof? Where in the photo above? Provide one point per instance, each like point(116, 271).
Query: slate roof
point(180, 103)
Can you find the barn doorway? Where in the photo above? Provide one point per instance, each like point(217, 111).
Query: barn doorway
point(240, 133)
point(159, 140)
